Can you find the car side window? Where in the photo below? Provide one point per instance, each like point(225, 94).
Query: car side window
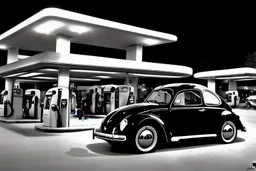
point(210, 98)
point(188, 98)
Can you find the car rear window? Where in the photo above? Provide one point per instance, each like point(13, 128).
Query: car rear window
point(210, 98)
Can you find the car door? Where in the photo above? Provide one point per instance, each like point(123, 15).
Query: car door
point(185, 113)
point(213, 110)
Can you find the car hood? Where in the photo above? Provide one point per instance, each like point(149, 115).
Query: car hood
point(116, 116)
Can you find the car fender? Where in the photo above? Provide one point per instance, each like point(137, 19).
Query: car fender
point(225, 115)
point(141, 118)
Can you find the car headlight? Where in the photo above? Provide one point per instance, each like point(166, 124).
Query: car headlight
point(123, 124)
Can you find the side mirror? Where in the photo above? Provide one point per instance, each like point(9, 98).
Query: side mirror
point(41, 105)
point(54, 107)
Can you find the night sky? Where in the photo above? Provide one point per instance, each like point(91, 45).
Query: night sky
point(210, 36)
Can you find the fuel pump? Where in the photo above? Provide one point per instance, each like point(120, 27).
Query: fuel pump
point(56, 107)
point(6, 109)
point(110, 97)
point(232, 98)
point(31, 108)
point(126, 95)
point(116, 96)
point(73, 101)
point(11, 108)
point(100, 101)
point(96, 92)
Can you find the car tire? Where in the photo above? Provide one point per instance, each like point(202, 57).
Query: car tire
point(248, 105)
point(145, 139)
point(228, 132)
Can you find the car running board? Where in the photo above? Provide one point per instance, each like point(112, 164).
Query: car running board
point(192, 136)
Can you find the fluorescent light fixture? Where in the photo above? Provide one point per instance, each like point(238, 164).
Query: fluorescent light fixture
point(236, 77)
point(23, 56)
point(13, 75)
point(31, 74)
point(103, 76)
point(3, 47)
point(79, 29)
point(151, 41)
point(247, 79)
point(157, 76)
point(83, 79)
point(92, 71)
point(46, 78)
point(49, 69)
point(48, 27)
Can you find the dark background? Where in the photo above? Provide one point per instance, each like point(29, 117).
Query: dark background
point(211, 35)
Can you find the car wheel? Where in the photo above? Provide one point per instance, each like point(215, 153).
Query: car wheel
point(248, 105)
point(228, 132)
point(145, 139)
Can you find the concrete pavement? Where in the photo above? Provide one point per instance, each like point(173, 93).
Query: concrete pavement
point(23, 148)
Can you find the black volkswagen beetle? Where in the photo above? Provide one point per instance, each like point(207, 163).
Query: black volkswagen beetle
point(170, 113)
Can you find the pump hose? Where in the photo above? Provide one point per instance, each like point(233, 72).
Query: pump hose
point(12, 110)
point(59, 121)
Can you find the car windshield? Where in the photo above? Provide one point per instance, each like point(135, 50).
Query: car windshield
point(159, 96)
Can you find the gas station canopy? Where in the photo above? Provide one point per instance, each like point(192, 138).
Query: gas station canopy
point(38, 32)
point(239, 74)
point(45, 66)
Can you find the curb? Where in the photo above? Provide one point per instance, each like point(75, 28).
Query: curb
point(19, 121)
point(61, 130)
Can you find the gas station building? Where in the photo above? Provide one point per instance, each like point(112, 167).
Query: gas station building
point(231, 76)
point(51, 31)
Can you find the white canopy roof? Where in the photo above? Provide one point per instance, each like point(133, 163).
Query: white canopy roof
point(245, 73)
point(38, 33)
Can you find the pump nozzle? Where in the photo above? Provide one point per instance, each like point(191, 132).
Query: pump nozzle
point(4, 92)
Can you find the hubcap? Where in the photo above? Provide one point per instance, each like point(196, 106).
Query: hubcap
point(145, 138)
point(228, 131)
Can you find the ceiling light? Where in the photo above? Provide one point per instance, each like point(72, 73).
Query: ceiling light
point(151, 41)
point(46, 78)
point(247, 79)
point(79, 29)
point(236, 77)
point(92, 71)
point(157, 76)
point(84, 79)
point(103, 76)
point(31, 74)
point(3, 47)
point(48, 27)
point(49, 69)
point(13, 75)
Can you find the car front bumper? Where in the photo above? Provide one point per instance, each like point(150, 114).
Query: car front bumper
point(110, 137)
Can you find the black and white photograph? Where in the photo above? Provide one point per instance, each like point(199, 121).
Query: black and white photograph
point(103, 86)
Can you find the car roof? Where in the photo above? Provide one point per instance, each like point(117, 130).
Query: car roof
point(182, 86)
point(251, 97)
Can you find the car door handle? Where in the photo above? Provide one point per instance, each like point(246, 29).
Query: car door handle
point(201, 110)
